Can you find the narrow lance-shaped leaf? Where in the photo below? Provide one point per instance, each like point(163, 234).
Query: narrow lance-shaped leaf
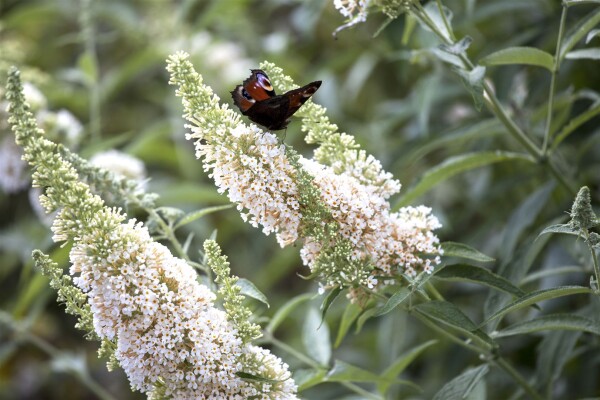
point(574, 124)
point(194, 215)
point(560, 228)
point(453, 166)
point(537, 296)
point(393, 302)
point(523, 217)
point(581, 29)
point(344, 372)
point(328, 301)
point(315, 336)
point(569, 322)
point(286, 310)
point(520, 55)
point(351, 312)
point(461, 250)
point(450, 315)
point(460, 387)
point(592, 53)
point(400, 365)
point(306, 378)
point(250, 290)
point(474, 274)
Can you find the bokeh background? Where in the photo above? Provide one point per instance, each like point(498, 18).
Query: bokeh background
point(103, 62)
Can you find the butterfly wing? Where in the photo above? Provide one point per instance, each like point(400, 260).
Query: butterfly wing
point(297, 97)
point(256, 99)
point(257, 87)
point(274, 113)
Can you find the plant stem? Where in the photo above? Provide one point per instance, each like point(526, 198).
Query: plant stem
point(445, 20)
point(501, 362)
point(89, 37)
point(554, 72)
point(448, 335)
point(595, 260)
point(170, 236)
point(53, 352)
point(312, 363)
point(496, 108)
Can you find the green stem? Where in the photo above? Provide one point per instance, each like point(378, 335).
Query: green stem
point(170, 236)
point(89, 37)
point(595, 260)
point(53, 352)
point(500, 362)
point(554, 73)
point(445, 20)
point(313, 364)
point(496, 108)
point(449, 335)
point(432, 290)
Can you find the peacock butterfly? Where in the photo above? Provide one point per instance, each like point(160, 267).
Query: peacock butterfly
point(257, 100)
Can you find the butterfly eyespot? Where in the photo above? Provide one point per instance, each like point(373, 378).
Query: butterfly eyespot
point(247, 95)
point(265, 83)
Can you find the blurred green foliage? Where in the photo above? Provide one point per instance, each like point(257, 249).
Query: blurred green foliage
point(104, 61)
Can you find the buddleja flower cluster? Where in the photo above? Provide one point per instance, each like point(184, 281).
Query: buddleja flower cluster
point(167, 335)
point(336, 203)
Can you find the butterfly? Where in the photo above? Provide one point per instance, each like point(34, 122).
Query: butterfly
point(257, 100)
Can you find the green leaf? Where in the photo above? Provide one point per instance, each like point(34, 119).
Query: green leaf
point(433, 12)
point(364, 317)
point(554, 271)
point(286, 310)
point(560, 228)
point(400, 365)
point(461, 386)
point(250, 377)
point(344, 372)
point(194, 215)
point(591, 53)
point(520, 55)
point(315, 336)
point(461, 250)
point(569, 322)
point(382, 27)
point(87, 65)
point(447, 313)
point(306, 378)
point(456, 165)
point(577, 32)
point(450, 315)
point(523, 217)
point(328, 300)
point(393, 302)
point(473, 81)
point(459, 47)
point(536, 297)
point(482, 276)
point(351, 312)
point(575, 123)
point(553, 353)
point(570, 3)
point(457, 138)
point(592, 34)
point(409, 27)
point(249, 290)
point(187, 193)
